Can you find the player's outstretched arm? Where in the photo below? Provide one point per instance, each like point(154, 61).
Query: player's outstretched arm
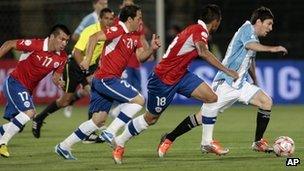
point(7, 46)
point(90, 48)
point(145, 52)
point(203, 52)
point(255, 46)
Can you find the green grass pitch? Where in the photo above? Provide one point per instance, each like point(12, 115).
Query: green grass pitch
point(235, 129)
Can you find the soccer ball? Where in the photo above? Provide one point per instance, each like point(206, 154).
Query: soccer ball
point(284, 146)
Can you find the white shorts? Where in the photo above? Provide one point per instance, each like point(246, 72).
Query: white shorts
point(228, 95)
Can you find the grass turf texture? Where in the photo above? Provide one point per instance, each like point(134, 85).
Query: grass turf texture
point(235, 129)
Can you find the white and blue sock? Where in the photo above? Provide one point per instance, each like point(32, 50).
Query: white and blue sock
point(3, 128)
point(84, 130)
point(127, 112)
point(208, 120)
point(116, 110)
point(13, 127)
point(135, 127)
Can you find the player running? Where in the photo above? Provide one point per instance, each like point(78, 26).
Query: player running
point(240, 56)
point(171, 76)
point(41, 57)
point(107, 85)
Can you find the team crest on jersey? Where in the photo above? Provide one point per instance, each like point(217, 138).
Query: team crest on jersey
point(56, 64)
point(27, 104)
point(113, 28)
point(27, 42)
point(158, 109)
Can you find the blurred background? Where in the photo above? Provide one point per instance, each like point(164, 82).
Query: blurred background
point(34, 18)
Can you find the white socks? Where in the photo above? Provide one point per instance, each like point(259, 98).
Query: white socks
point(85, 129)
point(13, 127)
point(208, 120)
point(135, 127)
point(116, 110)
point(128, 110)
point(207, 134)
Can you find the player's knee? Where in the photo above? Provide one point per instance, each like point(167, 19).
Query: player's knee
point(85, 91)
point(211, 99)
point(150, 118)
point(209, 110)
point(267, 103)
point(65, 102)
point(30, 113)
point(264, 102)
point(99, 118)
point(139, 100)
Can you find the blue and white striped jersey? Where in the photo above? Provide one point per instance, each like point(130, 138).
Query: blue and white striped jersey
point(237, 57)
point(86, 21)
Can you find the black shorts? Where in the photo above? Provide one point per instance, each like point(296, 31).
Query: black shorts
point(73, 75)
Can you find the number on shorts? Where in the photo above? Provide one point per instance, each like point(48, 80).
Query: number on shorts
point(126, 84)
point(161, 101)
point(23, 96)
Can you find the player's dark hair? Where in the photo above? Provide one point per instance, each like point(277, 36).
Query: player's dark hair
point(261, 13)
point(128, 11)
point(211, 12)
point(104, 11)
point(56, 29)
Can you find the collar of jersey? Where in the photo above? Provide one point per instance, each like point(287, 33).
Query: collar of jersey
point(46, 47)
point(202, 23)
point(95, 16)
point(45, 44)
point(123, 26)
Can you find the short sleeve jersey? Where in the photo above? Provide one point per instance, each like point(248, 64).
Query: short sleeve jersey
point(237, 57)
point(120, 45)
point(37, 62)
point(86, 21)
point(84, 38)
point(133, 62)
point(180, 53)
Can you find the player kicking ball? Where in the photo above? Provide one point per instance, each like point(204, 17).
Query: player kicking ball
point(240, 57)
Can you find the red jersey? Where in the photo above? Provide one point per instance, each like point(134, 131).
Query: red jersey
point(120, 45)
point(37, 62)
point(133, 62)
point(180, 53)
